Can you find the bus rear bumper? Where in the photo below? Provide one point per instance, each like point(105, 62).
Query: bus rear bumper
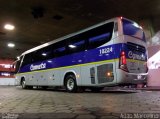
point(131, 78)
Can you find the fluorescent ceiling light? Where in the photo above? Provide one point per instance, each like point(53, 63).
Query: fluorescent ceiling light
point(9, 27)
point(49, 61)
point(11, 45)
point(46, 44)
point(18, 57)
point(72, 46)
point(44, 54)
point(136, 25)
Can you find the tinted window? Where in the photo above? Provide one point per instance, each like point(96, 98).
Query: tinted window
point(59, 49)
point(100, 35)
point(27, 59)
point(76, 44)
point(42, 54)
point(87, 40)
point(17, 65)
point(132, 29)
point(99, 40)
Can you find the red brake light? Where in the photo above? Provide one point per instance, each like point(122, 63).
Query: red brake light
point(123, 61)
point(123, 58)
point(122, 53)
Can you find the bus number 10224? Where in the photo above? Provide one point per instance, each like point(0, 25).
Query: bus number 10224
point(105, 50)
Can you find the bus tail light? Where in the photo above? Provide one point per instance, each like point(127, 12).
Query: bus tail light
point(123, 61)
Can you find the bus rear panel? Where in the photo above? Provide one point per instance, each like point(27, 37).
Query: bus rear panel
point(132, 54)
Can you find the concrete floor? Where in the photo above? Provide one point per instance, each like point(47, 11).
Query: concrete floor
point(39, 104)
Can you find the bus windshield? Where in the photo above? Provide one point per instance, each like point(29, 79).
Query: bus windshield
point(133, 29)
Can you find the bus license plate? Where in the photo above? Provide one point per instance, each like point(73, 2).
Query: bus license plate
point(139, 77)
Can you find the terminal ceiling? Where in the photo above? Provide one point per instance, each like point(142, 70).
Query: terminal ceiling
point(40, 21)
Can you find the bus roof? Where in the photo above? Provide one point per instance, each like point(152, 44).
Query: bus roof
point(68, 36)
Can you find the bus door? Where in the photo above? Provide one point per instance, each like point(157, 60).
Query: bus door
point(27, 70)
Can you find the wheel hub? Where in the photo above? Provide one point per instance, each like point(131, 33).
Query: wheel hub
point(70, 84)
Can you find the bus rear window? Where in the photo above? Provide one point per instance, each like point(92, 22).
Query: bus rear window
point(132, 29)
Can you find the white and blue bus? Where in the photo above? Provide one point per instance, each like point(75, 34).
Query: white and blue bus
point(106, 54)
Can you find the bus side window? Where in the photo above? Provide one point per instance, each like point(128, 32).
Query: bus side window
point(26, 59)
point(43, 54)
point(17, 64)
point(100, 35)
point(46, 53)
point(76, 44)
point(59, 49)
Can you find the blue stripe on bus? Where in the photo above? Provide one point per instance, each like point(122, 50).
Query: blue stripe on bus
point(103, 53)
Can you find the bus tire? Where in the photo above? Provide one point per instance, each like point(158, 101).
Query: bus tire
point(70, 83)
point(23, 84)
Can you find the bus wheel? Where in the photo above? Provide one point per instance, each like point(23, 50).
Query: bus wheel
point(70, 83)
point(24, 84)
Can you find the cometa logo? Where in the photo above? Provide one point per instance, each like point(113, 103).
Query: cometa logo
point(37, 67)
point(135, 56)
